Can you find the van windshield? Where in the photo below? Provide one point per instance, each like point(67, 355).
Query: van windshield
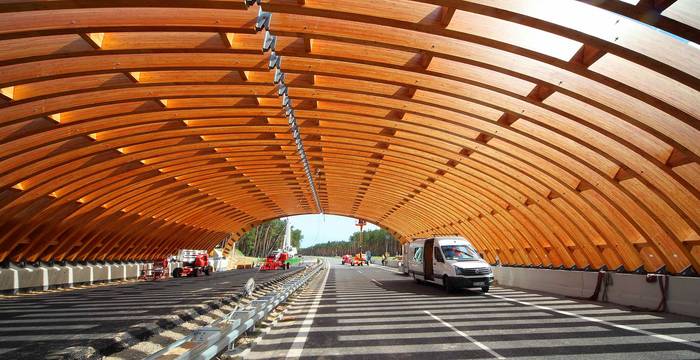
point(459, 252)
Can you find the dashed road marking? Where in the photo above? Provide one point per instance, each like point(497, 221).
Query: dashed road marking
point(480, 345)
point(600, 321)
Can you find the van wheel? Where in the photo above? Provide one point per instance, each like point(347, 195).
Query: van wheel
point(447, 284)
point(485, 289)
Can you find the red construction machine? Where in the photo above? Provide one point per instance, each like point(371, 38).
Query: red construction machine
point(277, 260)
point(197, 267)
point(359, 260)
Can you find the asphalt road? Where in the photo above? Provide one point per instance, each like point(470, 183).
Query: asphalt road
point(377, 313)
point(33, 326)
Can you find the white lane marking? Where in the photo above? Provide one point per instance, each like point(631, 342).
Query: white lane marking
point(303, 334)
point(600, 321)
point(203, 289)
point(480, 345)
point(386, 268)
point(2, 351)
point(377, 282)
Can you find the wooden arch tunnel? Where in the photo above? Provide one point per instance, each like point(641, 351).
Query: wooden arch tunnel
point(552, 132)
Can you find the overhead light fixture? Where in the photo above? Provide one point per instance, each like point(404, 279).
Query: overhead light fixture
point(269, 43)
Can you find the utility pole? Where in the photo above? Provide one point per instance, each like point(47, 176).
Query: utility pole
point(361, 223)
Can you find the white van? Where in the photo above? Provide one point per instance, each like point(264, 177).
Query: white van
point(452, 262)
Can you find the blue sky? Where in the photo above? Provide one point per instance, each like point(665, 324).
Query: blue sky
point(318, 228)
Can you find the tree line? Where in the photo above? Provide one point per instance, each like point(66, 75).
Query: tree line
point(268, 236)
point(377, 241)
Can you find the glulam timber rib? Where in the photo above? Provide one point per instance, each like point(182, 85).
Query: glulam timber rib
point(552, 132)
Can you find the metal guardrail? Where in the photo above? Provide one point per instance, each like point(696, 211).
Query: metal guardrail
point(219, 336)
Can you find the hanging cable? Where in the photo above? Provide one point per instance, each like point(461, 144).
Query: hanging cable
point(263, 21)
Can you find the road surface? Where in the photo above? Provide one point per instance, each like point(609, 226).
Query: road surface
point(377, 313)
point(36, 325)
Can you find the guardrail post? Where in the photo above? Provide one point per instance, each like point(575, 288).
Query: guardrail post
point(244, 315)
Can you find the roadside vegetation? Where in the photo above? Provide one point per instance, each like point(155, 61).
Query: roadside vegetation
point(377, 241)
point(262, 239)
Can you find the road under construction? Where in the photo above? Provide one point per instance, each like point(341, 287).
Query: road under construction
point(370, 312)
point(559, 137)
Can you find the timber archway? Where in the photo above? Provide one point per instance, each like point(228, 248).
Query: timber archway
point(554, 133)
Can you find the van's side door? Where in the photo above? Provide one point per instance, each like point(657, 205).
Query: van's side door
point(428, 259)
point(438, 262)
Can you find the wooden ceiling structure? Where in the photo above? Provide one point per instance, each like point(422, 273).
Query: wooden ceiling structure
point(549, 132)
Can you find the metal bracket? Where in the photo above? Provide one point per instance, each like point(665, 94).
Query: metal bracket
point(275, 61)
point(269, 42)
point(279, 76)
point(281, 89)
point(263, 20)
point(288, 111)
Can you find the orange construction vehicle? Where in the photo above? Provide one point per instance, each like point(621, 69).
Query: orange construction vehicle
point(277, 260)
point(359, 259)
point(198, 267)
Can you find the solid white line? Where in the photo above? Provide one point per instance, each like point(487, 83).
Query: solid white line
point(480, 345)
point(600, 321)
point(386, 268)
point(377, 282)
point(303, 334)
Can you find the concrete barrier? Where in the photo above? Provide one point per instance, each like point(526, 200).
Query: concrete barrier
point(100, 273)
point(16, 279)
point(626, 289)
point(82, 274)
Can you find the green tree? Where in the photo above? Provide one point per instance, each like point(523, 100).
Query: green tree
point(262, 239)
point(296, 237)
point(377, 241)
